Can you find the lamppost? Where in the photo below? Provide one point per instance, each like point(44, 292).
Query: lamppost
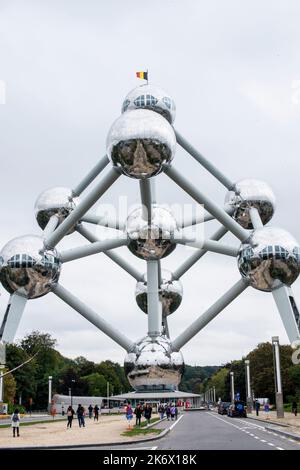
point(107, 394)
point(49, 392)
point(70, 393)
point(277, 375)
point(248, 386)
point(232, 386)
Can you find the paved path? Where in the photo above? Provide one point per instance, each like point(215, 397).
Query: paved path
point(210, 431)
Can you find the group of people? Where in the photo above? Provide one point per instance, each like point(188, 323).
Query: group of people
point(80, 412)
point(140, 411)
point(168, 409)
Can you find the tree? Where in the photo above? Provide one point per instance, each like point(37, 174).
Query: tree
point(9, 388)
point(25, 375)
point(96, 384)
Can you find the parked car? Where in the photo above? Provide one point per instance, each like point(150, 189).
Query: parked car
point(238, 408)
point(223, 407)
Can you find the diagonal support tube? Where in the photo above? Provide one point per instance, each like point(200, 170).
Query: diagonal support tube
point(203, 161)
point(187, 264)
point(101, 220)
point(209, 315)
point(92, 249)
point(210, 245)
point(51, 226)
point(87, 202)
point(153, 302)
point(112, 255)
point(93, 317)
point(215, 210)
point(87, 180)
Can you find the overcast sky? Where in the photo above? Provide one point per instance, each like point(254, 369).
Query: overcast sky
point(233, 70)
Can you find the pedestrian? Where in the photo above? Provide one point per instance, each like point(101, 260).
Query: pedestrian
point(176, 412)
point(168, 411)
point(70, 416)
point(172, 410)
point(63, 410)
point(129, 414)
point(295, 407)
point(267, 409)
point(80, 416)
point(257, 407)
point(15, 422)
point(148, 413)
point(90, 408)
point(161, 410)
point(96, 413)
point(138, 414)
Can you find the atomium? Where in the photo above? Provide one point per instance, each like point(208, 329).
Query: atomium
point(140, 142)
point(154, 241)
point(247, 194)
point(269, 258)
point(27, 268)
point(170, 293)
point(153, 365)
point(153, 98)
point(57, 201)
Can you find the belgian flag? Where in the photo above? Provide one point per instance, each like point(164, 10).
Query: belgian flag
point(143, 75)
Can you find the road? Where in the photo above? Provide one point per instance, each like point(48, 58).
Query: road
point(209, 431)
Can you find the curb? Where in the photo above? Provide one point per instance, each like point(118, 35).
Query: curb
point(107, 444)
point(295, 437)
point(284, 425)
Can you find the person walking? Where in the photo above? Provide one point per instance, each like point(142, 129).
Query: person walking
point(294, 408)
point(138, 414)
point(15, 422)
point(148, 413)
point(176, 412)
point(257, 407)
point(96, 413)
point(168, 411)
point(161, 410)
point(172, 410)
point(129, 414)
point(70, 416)
point(90, 408)
point(80, 416)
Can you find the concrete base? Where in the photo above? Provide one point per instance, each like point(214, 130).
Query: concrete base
point(279, 405)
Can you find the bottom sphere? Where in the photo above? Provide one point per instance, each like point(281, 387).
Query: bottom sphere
point(154, 366)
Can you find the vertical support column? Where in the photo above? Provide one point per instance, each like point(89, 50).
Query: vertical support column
point(154, 305)
point(232, 386)
point(49, 392)
point(1, 387)
point(277, 374)
point(214, 391)
point(248, 386)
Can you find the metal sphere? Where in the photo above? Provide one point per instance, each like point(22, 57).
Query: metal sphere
point(27, 268)
point(151, 97)
point(153, 365)
point(140, 142)
point(269, 259)
point(154, 241)
point(54, 201)
point(170, 293)
point(250, 193)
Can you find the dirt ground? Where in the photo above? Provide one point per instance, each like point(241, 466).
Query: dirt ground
point(107, 429)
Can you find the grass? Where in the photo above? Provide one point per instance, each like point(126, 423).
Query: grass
point(136, 431)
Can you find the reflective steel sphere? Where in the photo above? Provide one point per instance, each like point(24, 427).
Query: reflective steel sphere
point(26, 267)
point(269, 258)
point(140, 142)
point(151, 97)
point(251, 193)
point(170, 293)
point(153, 366)
point(151, 242)
point(54, 201)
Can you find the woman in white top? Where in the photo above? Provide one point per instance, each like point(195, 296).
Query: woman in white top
point(15, 422)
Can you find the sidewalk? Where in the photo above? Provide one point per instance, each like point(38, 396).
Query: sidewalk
point(107, 430)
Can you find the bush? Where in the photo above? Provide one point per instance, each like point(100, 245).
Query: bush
point(12, 408)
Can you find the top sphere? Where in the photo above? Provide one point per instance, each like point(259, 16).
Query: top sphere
point(269, 259)
point(140, 142)
point(54, 201)
point(247, 194)
point(151, 97)
point(27, 268)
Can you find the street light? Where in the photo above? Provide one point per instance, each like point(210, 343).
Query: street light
point(232, 386)
point(277, 374)
point(49, 391)
point(70, 392)
point(248, 386)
